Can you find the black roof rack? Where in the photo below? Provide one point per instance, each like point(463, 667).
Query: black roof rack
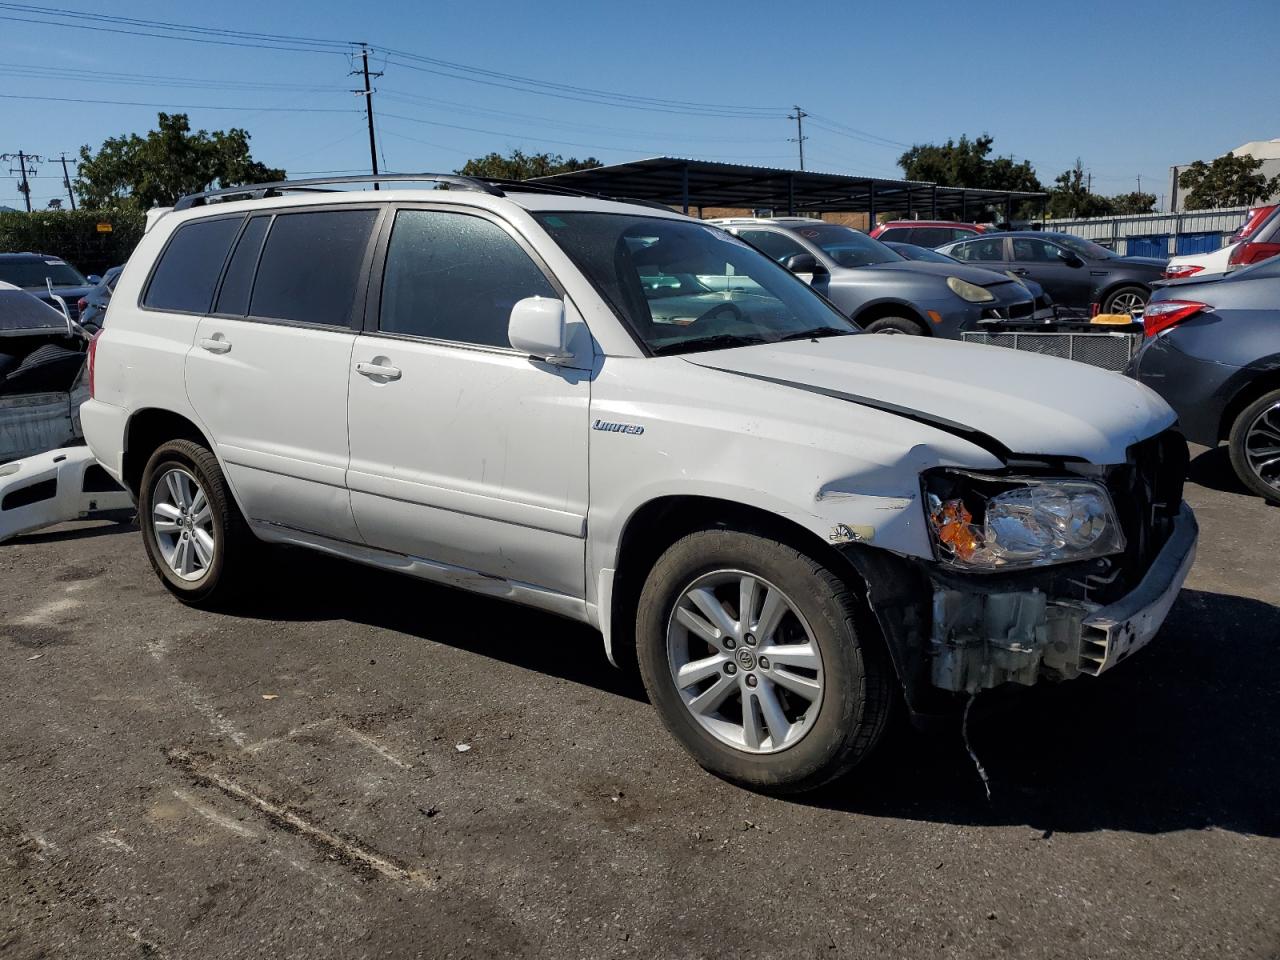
point(256, 191)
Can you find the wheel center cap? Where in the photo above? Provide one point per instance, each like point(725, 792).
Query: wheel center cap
point(746, 659)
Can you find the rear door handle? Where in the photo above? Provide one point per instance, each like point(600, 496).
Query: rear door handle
point(216, 344)
point(378, 371)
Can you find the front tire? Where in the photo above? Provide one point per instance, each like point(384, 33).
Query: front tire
point(752, 653)
point(1254, 445)
point(193, 533)
point(903, 325)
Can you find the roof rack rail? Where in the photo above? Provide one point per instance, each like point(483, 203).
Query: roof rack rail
point(257, 191)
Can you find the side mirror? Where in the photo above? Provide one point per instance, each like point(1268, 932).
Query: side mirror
point(1070, 259)
point(94, 279)
point(803, 263)
point(537, 327)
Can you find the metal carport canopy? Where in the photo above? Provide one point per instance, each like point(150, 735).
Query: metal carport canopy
point(687, 184)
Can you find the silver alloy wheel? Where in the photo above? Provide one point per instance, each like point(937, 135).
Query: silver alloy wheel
point(1262, 446)
point(745, 661)
point(182, 521)
point(1131, 303)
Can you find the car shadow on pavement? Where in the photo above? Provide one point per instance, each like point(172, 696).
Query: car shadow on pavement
point(1185, 736)
point(1211, 468)
point(312, 587)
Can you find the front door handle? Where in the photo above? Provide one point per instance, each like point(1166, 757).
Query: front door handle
point(1020, 272)
point(216, 344)
point(378, 369)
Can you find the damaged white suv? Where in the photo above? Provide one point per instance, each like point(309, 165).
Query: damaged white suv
point(633, 419)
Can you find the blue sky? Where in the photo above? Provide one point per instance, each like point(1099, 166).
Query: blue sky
point(1129, 87)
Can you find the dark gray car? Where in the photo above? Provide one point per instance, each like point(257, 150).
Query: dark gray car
point(1076, 272)
point(34, 271)
point(1213, 352)
point(879, 289)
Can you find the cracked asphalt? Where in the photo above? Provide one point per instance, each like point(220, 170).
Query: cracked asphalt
point(360, 765)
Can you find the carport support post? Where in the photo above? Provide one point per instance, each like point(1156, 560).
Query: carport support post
point(933, 201)
point(871, 207)
point(964, 206)
point(791, 195)
point(1008, 211)
point(684, 188)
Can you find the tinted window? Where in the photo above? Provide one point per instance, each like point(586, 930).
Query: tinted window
point(846, 246)
point(980, 250)
point(33, 273)
point(189, 267)
point(310, 266)
point(450, 276)
point(772, 244)
point(234, 296)
point(1029, 249)
point(897, 234)
point(934, 236)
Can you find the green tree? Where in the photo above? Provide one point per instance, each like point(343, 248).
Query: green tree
point(1134, 202)
point(155, 170)
point(522, 166)
point(1228, 181)
point(1069, 197)
point(967, 163)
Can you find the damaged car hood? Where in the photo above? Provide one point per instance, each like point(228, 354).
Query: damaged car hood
point(1027, 404)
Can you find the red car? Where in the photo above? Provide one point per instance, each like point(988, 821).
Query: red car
point(926, 233)
point(1259, 240)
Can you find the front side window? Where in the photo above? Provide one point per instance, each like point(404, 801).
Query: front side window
point(452, 276)
point(772, 244)
point(727, 293)
point(1085, 248)
point(188, 270)
point(311, 266)
point(845, 246)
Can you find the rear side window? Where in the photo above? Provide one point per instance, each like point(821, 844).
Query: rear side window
point(935, 236)
point(188, 270)
point(772, 244)
point(980, 250)
point(450, 276)
point(233, 298)
point(897, 234)
point(311, 266)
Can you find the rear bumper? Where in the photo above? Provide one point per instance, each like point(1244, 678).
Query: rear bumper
point(103, 425)
point(983, 639)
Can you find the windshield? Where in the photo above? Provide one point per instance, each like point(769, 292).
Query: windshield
point(846, 246)
point(913, 252)
point(1086, 248)
point(684, 286)
point(32, 273)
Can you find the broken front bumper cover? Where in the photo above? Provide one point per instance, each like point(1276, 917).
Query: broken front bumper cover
point(984, 639)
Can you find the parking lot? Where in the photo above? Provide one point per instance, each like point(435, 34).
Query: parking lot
point(359, 764)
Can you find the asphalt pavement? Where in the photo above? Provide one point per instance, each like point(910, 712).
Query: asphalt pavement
point(361, 765)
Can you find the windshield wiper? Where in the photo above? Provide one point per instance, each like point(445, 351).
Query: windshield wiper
point(813, 334)
point(713, 342)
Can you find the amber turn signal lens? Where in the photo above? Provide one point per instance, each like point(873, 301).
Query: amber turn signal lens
point(953, 524)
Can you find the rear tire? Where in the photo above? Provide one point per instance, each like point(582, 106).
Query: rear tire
point(1126, 299)
point(198, 543)
point(1254, 435)
point(784, 747)
point(903, 325)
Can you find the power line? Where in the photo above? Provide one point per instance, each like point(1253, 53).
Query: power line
point(99, 77)
point(175, 106)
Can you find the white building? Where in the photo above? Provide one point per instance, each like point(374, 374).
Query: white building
point(1268, 151)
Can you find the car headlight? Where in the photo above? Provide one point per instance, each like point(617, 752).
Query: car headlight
point(981, 522)
point(969, 291)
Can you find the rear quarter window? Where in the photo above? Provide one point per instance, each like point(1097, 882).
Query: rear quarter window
point(188, 269)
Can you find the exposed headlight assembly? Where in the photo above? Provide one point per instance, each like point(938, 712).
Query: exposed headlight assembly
point(989, 523)
point(969, 291)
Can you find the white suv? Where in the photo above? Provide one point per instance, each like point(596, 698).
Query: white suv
point(633, 419)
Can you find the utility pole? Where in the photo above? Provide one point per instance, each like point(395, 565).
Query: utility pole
point(1088, 183)
point(799, 138)
point(1139, 183)
point(368, 106)
point(24, 169)
point(66, 181)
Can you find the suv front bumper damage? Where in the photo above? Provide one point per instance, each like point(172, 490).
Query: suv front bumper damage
point(981, 639)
